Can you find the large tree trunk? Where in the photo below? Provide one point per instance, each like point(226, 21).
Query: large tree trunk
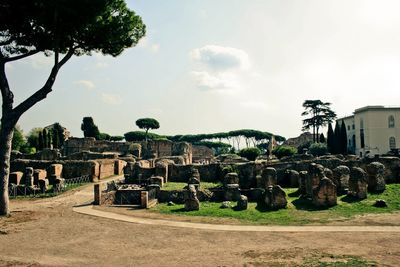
point(6, 135)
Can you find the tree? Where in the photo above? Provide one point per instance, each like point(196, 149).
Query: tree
point(147, 124)
point(45, 138)
point(331, 139)
point(284, 151)
point(322, 138)
point(320, 115)
point(116, 138)
point(250, 153)
point(336, 142)
point(60, 29)
point(89, 128)
point(35, 138)
point(139, 136)
point(18, 140)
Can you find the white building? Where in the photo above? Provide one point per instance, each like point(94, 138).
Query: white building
point(373, 130)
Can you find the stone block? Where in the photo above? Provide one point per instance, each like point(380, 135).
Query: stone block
point(376, 177)
point(268, 178)
point(341, 176)
point(231, 192)
point(54, 171)
point(158, 180)
point(231, 178)
point(43, 185)
point(29, 177)
point(15, 177)
point(358, 183)
point(39, 174)
point(242, 203)
point(192, 203)
point(275, 198)
point(325, 194)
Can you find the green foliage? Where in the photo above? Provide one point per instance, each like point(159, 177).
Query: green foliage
point(138, 136)
point(299, 211)
point(34, 137)
point(18, 140)
point(104, 136)
point(284, 151)
point(89, 128)
point(147, 124)
point(343, 138)
point(318, 149)
point(320, 114)
point(322, 138)
point(171, 186)
point(116, 138)
point(105, 26)
point(45, 138)
point(250, 153)
point(301, 148)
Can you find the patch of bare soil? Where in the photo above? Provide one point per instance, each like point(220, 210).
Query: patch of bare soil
point(51, 234)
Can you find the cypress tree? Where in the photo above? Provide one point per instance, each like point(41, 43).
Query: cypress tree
point(56, 143)
point(337, 143)
point(331, 139)
point(49, 141)
point(322, 138)
point(40, 141)
point(45, 138)
point(343, 138)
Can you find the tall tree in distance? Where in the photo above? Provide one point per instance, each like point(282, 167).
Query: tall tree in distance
point(45, 138)
point(337, 143)
point(331, 139)
point(147, 124)
point(89, 128)
point(40, 141)
point(319, 115)
point(59, 29)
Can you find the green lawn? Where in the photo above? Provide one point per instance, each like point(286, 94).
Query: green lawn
point(177, 186)
point(298, 212)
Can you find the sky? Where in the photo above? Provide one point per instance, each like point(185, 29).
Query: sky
point(209, 66)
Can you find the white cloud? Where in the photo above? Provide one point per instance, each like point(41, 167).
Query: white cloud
point(221, 57)
point(224, 81)
point(40, 61)
point(111, 99)
point(257, 105)
point(147, 44)
point(89, 85)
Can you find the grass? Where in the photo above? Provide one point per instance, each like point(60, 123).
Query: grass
point(298, 212)
point(170, 186)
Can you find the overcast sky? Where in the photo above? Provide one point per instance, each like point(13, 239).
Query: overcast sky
point(217, 65)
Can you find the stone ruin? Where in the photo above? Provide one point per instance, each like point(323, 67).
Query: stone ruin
point(376, 179)
point(341, 176)
point(358, 183)
point(191, 201)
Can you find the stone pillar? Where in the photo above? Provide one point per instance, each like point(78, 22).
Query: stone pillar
point(358, 183)
point(325, 194)
point(268, 177)
point(144, 199)
point(275, 197)
point(376, 177)
point(97, 194)
point(341, 176)
point(29, 177)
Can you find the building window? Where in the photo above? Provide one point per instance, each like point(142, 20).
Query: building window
point(348, 127)
point(362, 138)
point(361, 124)
point(391, 121)
point(392, 143)
point(349, 143)
point(353, 127)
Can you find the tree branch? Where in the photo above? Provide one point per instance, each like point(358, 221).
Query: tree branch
point(8, 97)
point(30, 53)
point(45, 90)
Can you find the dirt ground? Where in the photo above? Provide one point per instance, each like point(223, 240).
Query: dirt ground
point(48, 233)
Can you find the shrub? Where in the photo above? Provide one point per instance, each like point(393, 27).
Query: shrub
point(303, 146)
point(318, 149)
point(284, 151)
point(250, 153)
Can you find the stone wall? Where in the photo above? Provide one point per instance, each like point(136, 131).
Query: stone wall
point(202, 153)
point(96, 169)
point(75, 145)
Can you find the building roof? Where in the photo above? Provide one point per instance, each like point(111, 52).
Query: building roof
point(373, 107)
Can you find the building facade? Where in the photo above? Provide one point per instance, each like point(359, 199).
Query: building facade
point(373, 130)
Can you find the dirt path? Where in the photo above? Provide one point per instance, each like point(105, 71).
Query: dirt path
point(48, 233)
